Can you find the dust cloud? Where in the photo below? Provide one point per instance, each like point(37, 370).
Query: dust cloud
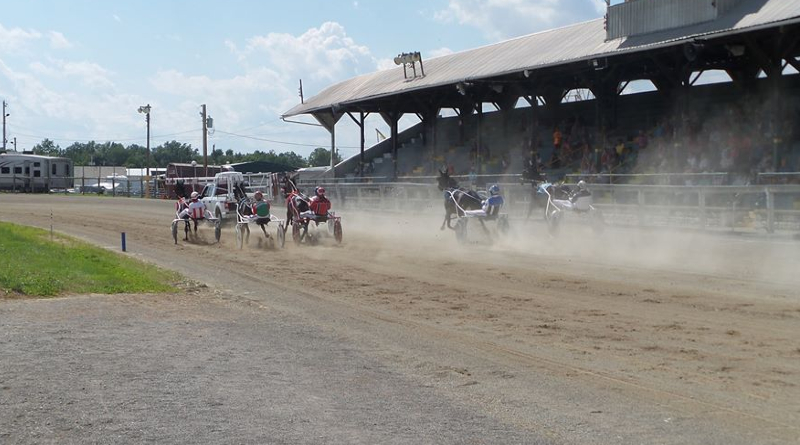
point(379, 235)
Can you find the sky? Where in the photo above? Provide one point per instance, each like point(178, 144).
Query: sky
point(78, 70)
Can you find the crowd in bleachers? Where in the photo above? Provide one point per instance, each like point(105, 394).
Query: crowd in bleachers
point(730, 144)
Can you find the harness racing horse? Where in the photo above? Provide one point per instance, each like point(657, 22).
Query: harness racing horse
point(456, 199)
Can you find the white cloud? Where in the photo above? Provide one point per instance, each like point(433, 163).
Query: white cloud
point(503, 19)
point(325, 54)
point(439, 52)
point(87, 73)
point(16, 39)
point(58, 41)
point(385, 64)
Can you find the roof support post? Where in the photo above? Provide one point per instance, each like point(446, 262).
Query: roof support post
point(361, 117)
point(479, 142)
point(360, 122)
point(429, 119)
point(328, 120)
point(391, 118)
point(533, 125)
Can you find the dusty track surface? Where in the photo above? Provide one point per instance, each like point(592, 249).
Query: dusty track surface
point(631, 337)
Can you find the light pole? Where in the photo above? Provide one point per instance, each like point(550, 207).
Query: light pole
point(5, 115)
point(146, 110)
point(194, 167)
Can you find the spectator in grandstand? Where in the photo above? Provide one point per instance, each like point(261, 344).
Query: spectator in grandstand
point(473, 176)
point(726, 159)
point(641, 140)
point(784, 166)
point(504, 162)
point(587, 161)
point(555, 158)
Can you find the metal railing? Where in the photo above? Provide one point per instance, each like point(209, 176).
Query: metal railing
point(767, 208)
point(764, 207)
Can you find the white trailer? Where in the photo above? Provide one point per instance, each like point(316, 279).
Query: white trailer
point(34, 173)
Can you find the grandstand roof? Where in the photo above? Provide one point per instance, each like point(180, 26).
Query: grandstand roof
point(582, 41)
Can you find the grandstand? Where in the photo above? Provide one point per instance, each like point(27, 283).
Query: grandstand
point(560, 96)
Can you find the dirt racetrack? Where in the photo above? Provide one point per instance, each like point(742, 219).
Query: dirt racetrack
point(635, 336)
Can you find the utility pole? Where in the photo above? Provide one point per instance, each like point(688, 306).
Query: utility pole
point(205, 141)
point(147, 162)
point(4, 125)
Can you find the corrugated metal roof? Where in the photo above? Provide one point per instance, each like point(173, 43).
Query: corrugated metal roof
point(554, 47)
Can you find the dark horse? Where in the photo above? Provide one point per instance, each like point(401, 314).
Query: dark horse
point(453, 194)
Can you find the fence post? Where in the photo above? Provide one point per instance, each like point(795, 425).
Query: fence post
point(640, 208)
point(701, 200)
point(770, 209)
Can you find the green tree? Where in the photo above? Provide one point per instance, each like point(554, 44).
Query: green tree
point(47, 148)
point(173, 151)
point(321, 157)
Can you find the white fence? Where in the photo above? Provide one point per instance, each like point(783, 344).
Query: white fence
point(767, 208)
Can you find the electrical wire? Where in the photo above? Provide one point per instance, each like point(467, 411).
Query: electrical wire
point(280, 142)
point(54, 139)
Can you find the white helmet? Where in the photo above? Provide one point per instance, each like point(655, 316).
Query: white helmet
point(195, 195)
point(581, 185)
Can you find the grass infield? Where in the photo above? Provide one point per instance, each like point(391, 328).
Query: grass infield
point(33, 265)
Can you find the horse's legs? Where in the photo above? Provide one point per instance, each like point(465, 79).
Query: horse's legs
point(186, 231)
point(485, 229)
point(531, 204)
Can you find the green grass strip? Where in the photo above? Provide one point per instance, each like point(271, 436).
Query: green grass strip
point(32, 264)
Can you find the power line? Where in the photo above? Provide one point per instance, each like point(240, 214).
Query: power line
point(100, 139)
point(280, 142)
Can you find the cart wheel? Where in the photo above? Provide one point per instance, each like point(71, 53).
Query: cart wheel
point(461, 230)
point(502, 225)
point(553, 222)
point(281, 235)
point(337, 231)
point(296, 232)
point(175, 231)
point(217, 229)
point(239, 236)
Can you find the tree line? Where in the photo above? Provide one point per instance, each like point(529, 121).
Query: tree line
point(135, 156)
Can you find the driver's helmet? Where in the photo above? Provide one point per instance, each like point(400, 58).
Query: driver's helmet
point(258, 195)
point(194, 196)
point(320, 191)
point(581, 185)
point(494, 190)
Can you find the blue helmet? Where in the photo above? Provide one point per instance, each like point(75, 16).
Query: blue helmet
point(494, 190)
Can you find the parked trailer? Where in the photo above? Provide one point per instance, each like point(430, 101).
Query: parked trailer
point(34, 173)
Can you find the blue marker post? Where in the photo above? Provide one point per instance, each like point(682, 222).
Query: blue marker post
point(123, 241)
